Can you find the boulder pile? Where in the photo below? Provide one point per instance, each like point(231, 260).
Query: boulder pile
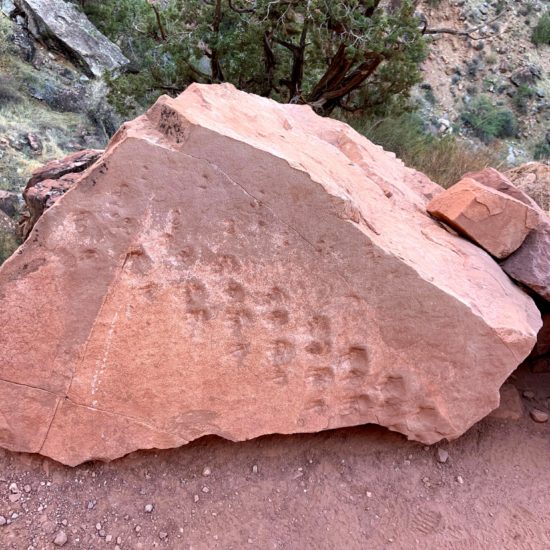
point(237, 267)
point(527, 263)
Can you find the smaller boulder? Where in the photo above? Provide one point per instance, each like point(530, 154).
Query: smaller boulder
point(490, 177)
point(530, 265)
point(495, 221)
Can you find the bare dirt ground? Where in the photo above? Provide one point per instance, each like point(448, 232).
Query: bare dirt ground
point(362, 488)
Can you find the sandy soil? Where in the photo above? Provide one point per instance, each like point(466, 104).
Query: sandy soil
point(355, 488)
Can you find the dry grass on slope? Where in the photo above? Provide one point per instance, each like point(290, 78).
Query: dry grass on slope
point(443, 159)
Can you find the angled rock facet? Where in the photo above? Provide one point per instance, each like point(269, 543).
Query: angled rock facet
point(496, 221)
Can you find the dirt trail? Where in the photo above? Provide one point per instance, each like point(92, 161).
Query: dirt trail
point(352, 488)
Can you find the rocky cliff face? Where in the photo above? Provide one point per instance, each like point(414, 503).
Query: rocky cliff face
point(49, 107)
point(498, 60)
point(238, 267)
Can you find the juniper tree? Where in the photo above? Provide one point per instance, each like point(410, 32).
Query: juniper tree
point(351, 54)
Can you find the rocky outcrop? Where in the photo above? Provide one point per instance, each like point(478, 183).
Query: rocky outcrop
point(49, 183)
point(492, 219)
point(63, 26)
point(238, 267)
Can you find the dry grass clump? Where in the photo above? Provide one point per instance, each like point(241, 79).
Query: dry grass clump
point(8, 241)
point(443, 159)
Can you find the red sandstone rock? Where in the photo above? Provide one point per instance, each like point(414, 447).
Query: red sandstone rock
point(490, 177)
point(74, 163)
point(49, 183)
point(494, 220)
point(238, 267)
point(530, 265)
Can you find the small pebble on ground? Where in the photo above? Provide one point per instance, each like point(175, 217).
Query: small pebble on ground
point(60, 539)
point(442, 455)
point(539, 416)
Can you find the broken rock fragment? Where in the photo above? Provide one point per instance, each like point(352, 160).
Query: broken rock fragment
point(490, 177)
point(495, 221)
point(237, 267)
point(530, 264)
point(50, 182)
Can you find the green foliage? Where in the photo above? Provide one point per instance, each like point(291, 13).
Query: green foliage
point(444, 159)
point(489, 121)
point(521, 99)
point(255, 46)
point(541, 32)
point(8, 245)
point(542, 151)
point(500, 6)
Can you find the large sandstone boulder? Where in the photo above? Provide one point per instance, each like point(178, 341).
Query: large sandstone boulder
point(237, 267)
point(64, 26)
point(496, 221)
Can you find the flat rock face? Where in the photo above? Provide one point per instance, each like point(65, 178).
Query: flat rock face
point(68, 27)
point(530, 265)
point(238, 267)
point(490, 177)
point(494, 220)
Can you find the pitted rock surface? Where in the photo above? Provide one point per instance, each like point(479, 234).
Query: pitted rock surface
point(238, 267)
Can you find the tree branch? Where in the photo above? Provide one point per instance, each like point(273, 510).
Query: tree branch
point(215, 65)
point(159, 20)
point(240, 10)
point(466, 32)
